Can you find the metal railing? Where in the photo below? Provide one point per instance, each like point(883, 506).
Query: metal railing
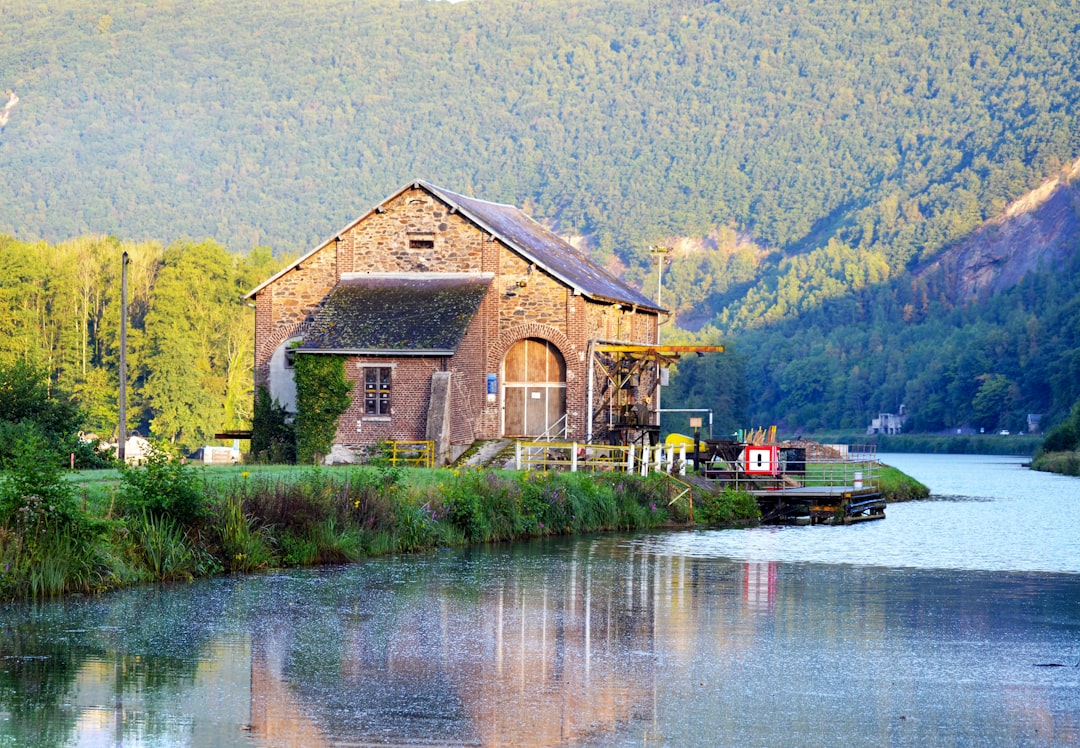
point(575, 456)
point(557, 429)
point(677, 490)
point(410, 453)
point(834, 466)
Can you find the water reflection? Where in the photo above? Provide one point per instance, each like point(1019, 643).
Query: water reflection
point(596, 641)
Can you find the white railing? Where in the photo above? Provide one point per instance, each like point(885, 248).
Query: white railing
point(575, 456)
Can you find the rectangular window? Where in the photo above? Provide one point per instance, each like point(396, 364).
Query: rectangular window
point(377, 390)
point(421, 244)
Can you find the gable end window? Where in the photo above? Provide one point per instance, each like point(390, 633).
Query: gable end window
point(377, 390)
point(421, 240)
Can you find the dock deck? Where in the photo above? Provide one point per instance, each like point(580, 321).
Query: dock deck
point(838, 485)
point(820, 505)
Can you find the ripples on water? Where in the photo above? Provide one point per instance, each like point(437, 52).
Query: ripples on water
point(987, 513)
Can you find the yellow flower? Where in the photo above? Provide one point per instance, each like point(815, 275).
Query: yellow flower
point(245, 474)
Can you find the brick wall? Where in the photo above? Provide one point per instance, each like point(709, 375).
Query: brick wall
point(415, 232)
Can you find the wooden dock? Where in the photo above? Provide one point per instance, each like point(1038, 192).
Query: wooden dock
point(802, 485)
point(820, 505)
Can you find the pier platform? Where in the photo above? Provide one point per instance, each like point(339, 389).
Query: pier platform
point(820, 505)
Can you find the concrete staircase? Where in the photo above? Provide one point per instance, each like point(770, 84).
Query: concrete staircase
point(493, 453)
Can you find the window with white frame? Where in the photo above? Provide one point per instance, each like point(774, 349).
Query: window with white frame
point(377, 390)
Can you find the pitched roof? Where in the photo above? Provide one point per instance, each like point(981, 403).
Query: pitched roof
point(525, 236)
point(410, 314)
point(544, 248)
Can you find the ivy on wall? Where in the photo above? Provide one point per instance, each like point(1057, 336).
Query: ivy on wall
point(322, 395)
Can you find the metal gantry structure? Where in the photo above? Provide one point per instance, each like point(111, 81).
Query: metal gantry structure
point(624, 388)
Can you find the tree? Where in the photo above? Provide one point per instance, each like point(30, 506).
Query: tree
point(993, 400)
point(198, 337)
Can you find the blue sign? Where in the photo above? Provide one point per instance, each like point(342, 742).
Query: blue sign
point(493, 384)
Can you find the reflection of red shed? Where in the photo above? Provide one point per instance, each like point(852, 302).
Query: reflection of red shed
point(459, 319)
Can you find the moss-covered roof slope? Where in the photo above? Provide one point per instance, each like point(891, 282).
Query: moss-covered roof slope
point(403, 314)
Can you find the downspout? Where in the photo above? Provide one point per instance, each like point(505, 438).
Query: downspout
point(589, 398)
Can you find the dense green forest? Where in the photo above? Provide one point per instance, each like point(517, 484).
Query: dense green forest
point(804, 158)
point(190, 335)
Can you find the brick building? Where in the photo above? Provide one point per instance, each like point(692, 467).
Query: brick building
point(459, 320)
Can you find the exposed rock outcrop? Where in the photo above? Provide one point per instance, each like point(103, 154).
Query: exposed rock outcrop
point(1039, 230)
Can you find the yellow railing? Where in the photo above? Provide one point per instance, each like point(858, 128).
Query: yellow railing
point(678, 490)
point(411, 453)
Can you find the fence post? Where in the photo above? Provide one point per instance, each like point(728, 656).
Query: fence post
point(573, 457)
point(682, 460)
point(517, 455)
point(646, 457)
point(630, 459)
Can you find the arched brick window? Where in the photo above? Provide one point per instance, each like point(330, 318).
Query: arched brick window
point(534, 389)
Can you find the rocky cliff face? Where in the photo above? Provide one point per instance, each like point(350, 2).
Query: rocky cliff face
point(1038, 231)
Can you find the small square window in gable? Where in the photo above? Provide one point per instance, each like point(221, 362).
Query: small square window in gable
point(422, 242)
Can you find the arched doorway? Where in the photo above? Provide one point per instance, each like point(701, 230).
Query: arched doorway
point(534, 389)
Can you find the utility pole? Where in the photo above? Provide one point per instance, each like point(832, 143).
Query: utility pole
point(661, 258)
point(121, 429)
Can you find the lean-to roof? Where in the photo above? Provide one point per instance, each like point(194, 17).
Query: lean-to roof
point(411, 314)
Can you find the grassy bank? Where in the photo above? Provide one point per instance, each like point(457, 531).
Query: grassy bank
point(1065, 463)
point(99, 530)
point(898, 486)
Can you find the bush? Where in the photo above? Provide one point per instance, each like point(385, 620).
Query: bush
point(34, 493)
point(729, 505)
point(272, 438)
point(163, 487)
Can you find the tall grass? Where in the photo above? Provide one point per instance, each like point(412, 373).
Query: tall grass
point(173, 521)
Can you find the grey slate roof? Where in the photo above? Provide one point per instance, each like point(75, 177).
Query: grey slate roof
point(401, 313)
point(545, 248)
point(526, 237)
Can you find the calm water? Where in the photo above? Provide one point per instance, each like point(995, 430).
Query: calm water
point(956, 621)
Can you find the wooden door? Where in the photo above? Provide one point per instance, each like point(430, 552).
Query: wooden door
point(534, 390)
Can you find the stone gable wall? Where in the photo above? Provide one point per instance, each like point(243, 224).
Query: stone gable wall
point(381, 242)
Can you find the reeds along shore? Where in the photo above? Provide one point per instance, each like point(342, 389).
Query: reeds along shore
point(168, 521)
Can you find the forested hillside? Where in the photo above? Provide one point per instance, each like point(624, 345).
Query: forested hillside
point(804, 158)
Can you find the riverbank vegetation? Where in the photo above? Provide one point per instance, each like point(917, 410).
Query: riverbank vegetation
point(169, 521)
point(1060, 451)
point(898, 486)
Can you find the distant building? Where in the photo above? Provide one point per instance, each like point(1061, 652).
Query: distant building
point(887, 423)
point(1034, 423)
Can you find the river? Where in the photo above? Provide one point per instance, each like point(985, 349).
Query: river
point(955, 621)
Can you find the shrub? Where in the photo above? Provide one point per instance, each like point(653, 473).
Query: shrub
point(729, 505)
point(163, 487)
point(273, 440)
point(34, 485)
